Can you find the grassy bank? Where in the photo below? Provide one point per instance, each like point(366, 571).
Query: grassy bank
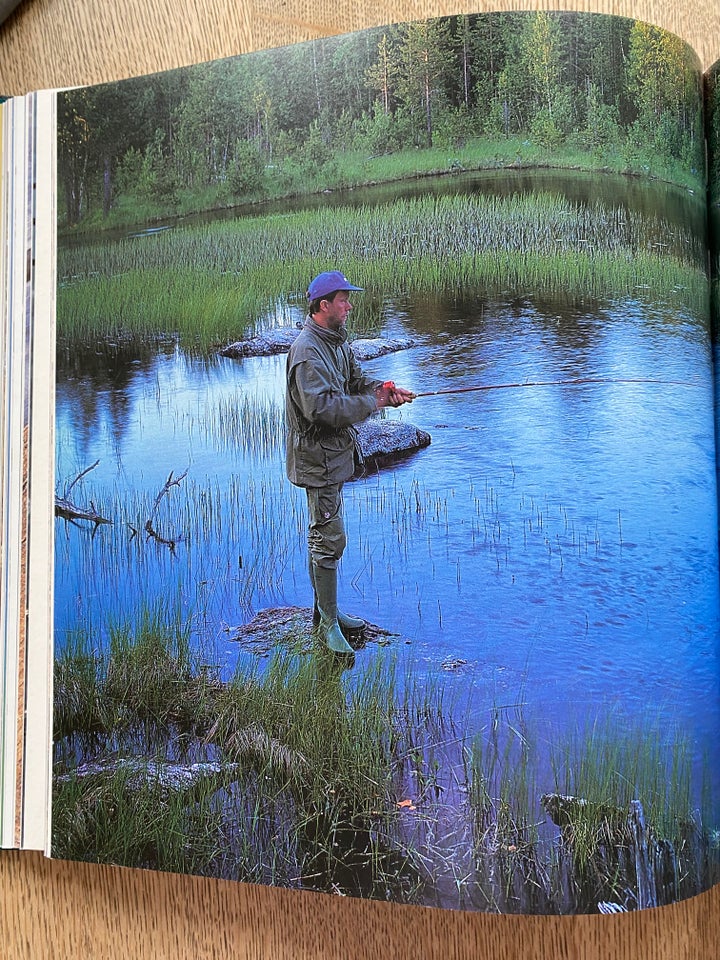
point(353, 779)
point(215, 283)
point(288, 178)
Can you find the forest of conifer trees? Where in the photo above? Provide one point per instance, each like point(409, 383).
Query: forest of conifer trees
point(282, 122)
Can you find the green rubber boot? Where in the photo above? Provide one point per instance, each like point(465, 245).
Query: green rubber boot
point(345, 621)
point(325, 580)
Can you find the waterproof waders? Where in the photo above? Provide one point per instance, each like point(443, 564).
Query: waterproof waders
point(324, 581)
point(352, 624)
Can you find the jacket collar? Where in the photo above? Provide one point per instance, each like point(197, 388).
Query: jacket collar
point(333, 337)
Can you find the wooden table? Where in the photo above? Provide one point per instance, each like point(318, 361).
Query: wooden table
point(68, 910)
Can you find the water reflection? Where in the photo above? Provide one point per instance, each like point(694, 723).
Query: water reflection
point(560, 540)
point(680, 207)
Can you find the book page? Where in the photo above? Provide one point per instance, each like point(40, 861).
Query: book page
point(27, 296)
point(39, 492)
point(28, 221)
point(16, 124)
point(527, 722)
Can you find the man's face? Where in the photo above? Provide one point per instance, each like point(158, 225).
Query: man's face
point(335, 312)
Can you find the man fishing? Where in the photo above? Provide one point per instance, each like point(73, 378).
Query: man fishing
point(326, 394)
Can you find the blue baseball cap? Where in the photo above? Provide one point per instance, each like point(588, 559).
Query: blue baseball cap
point(328, 282)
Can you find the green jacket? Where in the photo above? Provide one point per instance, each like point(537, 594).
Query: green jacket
point(326, 394)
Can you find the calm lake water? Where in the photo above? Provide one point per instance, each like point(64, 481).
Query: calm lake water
point(556, 544)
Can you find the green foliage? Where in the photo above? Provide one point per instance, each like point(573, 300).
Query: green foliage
point(315, 150)
point(246, 172)
point(407, 87)
point(602, 127)
point(210, 283)
point(545, 130)
point(713, 107)
point(377, 133)
point(454, 128)
point(152, 173)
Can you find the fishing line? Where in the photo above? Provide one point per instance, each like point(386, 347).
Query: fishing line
point(553, 383)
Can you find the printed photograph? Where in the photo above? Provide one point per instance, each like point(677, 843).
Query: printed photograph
point(386, 539)
point(712, 100)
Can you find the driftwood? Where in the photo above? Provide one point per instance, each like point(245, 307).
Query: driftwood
point(150, 530)
point(65, 508)
point(607, 842)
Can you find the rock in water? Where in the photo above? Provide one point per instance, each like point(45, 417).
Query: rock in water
point(277, 340)
point(384, 441)
point(365, 349)
point(280, 339)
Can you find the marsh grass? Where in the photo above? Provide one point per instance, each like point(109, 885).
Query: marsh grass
point(355, 780)
point(322, 760)
point(255, 425)
point(238, 537)
point(642, 818)
point(110, 819)
point(626, 805)
point(503, 527)
point(234, 537)
point(214, 283)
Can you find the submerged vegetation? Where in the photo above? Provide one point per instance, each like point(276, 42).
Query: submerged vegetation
point(158, 763)
point(240, 541)
point(211, 284)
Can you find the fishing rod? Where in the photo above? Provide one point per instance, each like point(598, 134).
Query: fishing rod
point(545, 383)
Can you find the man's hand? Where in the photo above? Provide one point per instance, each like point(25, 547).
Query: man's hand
point(388, 395)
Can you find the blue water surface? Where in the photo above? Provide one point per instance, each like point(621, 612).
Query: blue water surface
point(556, 544)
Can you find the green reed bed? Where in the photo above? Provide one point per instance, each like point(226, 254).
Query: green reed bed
point(293, 745)
point(209, 284)
point(117, 819)
point(510, 859)
point(248, 423)
point(618, 820)
point(605, 764)
point(432, 224)
point(643, 815)
point(504, 529)
point(362, 781)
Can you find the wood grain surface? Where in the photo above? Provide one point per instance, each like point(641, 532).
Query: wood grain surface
point(51, 909)
point(56, 43)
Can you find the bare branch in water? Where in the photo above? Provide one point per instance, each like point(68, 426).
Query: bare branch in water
point(65, 508)
point(169, 542)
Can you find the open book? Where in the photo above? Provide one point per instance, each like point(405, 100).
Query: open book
point(529, 719)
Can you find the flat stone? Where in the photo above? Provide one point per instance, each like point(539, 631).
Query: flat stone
point(292, 627)
point(383, 441)
point(268, 344)
point(369, 349)
point(280, 339)
point(163, 776)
